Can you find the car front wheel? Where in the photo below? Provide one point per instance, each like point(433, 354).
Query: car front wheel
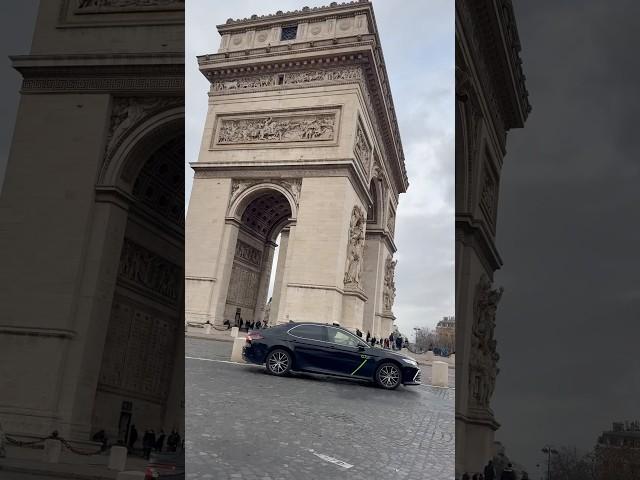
point(278, 362)
point(388, 376)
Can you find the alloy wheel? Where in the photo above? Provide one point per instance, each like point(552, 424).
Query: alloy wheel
point(279, 362)
point(389, 376)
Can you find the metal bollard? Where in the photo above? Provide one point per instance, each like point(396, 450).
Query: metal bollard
point(117, 458)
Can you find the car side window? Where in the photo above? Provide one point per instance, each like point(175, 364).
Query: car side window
point(311, 332)
point(342, 338)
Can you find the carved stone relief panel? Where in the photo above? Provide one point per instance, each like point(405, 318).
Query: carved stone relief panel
point(149, 272)
point(391, 221)
point(484, 356)
point(277, 128)
point(389, 289)
point(489, 196)
point(355, 248)
point(292, 185)
point(305, 77)
point(127, 113)
point(362, 149)
point(248, 253)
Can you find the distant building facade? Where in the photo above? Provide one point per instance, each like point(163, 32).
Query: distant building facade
point(617, 452)
point(491, 99)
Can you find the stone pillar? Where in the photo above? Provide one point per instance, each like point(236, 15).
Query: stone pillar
point(277, 286)
point(204, 246)
point(265, 276)
point(221, 287)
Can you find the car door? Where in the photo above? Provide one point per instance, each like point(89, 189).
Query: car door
point(349, 355)
point(310, 347)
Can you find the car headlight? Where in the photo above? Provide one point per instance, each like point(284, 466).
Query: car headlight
point(410, 361)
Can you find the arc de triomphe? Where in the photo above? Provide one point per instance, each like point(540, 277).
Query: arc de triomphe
point(301, 141)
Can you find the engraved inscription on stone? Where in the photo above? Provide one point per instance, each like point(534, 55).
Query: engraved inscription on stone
point(270, 129)
point(243, 286)
point(139, 351)
point(148, 270)
point(246, 252)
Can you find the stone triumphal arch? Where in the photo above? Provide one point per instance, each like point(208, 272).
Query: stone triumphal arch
point(300, 143)
point(92, 209)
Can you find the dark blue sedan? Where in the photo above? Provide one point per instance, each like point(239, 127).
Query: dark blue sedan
point(327, 350)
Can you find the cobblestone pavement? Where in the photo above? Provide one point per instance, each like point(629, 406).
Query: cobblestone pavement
point(243, 424)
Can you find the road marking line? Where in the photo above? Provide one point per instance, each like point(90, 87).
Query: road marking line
point(329, 459)
point(213, 360)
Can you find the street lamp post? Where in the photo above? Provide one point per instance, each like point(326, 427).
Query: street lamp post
point(548, 451)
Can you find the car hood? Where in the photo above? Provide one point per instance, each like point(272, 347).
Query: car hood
point(399, 356)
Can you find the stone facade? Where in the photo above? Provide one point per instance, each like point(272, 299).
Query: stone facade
point(92, 215)
point(491, 99)
point(290, 141)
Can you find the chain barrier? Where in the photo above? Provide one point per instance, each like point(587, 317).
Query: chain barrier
point(53, 436)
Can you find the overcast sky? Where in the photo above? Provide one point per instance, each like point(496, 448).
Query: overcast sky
point(418, 44)
point(569, 321)
point(17, 20)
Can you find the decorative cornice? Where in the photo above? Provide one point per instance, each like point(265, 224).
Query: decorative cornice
point(282, 17)
point(489, 27)
point(375, 89)
point(101, 73)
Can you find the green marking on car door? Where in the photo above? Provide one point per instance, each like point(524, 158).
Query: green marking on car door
point(361, 365)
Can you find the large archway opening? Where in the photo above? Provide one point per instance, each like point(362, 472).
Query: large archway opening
point(256, 267)
point(139, 381)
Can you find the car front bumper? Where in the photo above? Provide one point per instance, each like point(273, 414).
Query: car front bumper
point(411, 376)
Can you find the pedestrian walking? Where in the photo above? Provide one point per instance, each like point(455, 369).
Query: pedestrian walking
point(358, 332)
point(3, 443)
point(508, 473)
point(490, 471)
point(386, 343)
point(173, 440)
point(160, 441)
point(148, 440)
point(368, 336)
point(258, 324)
point(133, 436)
point(399, 342)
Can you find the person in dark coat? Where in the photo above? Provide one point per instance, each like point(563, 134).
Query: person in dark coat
point(173, 440)
point(148, 442)
point(508, 473)
point(373, 341)
point(368, 336)
point(490, 471)
point(160, 441)
point(133, 437)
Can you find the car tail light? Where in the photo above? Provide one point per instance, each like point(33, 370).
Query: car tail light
point(150, 474)
point(253, 336)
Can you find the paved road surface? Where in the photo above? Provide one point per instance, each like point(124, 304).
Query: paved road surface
point(243, 424)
